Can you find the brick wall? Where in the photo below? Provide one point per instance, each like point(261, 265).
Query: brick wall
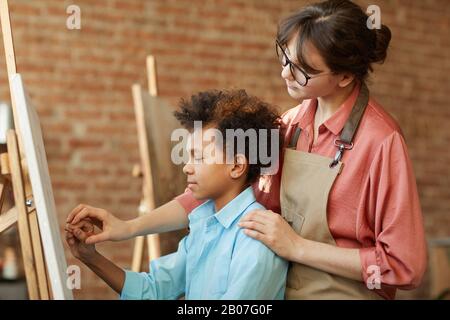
point(80, 82)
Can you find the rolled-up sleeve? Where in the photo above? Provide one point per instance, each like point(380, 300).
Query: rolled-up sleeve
point(165, 281)
point(399, 255)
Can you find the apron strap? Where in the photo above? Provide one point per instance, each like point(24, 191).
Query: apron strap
point(294, 138)
point(345, 141)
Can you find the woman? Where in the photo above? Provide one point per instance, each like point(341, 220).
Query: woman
point(350, 221)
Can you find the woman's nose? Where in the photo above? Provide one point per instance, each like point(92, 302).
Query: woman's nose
point(286, 73)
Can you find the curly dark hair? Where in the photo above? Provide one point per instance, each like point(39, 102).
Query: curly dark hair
point(233, 109)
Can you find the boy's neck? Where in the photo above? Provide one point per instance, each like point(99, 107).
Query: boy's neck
point(228, 196)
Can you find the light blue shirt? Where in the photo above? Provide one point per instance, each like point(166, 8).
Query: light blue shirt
point(216, 260)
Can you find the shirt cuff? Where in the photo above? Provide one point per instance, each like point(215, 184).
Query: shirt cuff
point(188, 202)
point(369, 262)
point(132, 287)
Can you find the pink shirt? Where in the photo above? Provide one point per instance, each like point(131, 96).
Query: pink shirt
point(373, 205)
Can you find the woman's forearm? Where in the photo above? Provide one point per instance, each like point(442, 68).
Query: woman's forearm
point(340, 261)
point(106, 270)
point(170, 216)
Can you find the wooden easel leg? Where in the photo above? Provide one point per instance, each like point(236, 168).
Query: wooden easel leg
point(148, 201)
point(138, 254)
point(153, 246)
point(38, 255)
point(23, 224)
point(3, 188)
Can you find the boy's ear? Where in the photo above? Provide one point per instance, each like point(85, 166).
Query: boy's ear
point(239, 168)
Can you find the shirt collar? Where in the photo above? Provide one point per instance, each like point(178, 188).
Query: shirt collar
point(229, 213)
point(235, 207)
point(336, 122)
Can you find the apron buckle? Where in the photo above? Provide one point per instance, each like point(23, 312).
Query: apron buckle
point(337, 157)
point(342, 145)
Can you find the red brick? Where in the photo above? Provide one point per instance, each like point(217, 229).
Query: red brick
point(80, 81)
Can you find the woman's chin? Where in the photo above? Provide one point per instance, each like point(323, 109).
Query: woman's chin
point(296, 94)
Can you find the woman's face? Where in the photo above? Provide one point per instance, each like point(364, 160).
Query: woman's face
point(321, 85)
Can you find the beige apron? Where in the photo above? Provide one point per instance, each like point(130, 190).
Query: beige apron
point(305, 185)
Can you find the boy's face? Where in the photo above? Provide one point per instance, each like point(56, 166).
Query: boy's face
point(208, 175)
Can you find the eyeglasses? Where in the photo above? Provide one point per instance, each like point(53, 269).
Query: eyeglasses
point(300, 76)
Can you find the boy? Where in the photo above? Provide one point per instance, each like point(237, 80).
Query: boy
point(216, 260)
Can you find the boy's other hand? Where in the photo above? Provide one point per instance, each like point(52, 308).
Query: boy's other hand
point(76, 235)
point(111, 227)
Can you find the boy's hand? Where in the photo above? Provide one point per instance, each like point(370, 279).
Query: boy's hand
point(76, 235)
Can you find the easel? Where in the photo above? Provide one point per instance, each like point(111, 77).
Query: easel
point(145, 170)
point(14, 173)
point(162, 179)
